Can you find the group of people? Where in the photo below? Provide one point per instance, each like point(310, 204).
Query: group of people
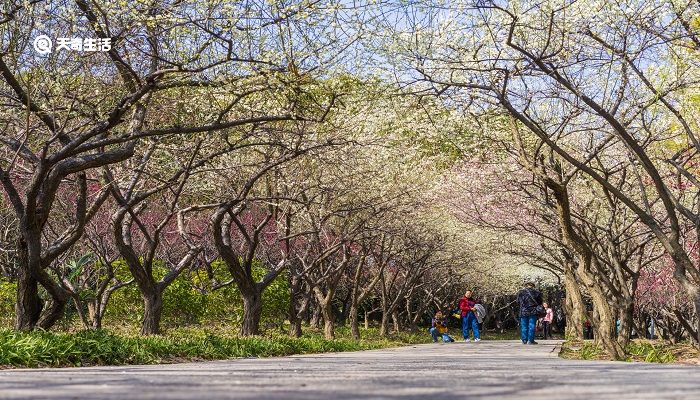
point(471, 313)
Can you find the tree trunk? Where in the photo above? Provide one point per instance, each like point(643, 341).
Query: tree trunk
point(57, 303)
point(53, 312)
point(82, 309)
point(295, 328)
point(696, 303)
point(294, 319)
point(395, 321)
point(152, 310)
point(28, 306)
point(95, 314)
point(692, 333)
point(604, 325)
point(575, 313)
point(626, 322)
point(252, 311)
point(343, 313)
point(384, 324)
point(315, 321)
point(367, 313)
point(328, 320)
point(354, 322)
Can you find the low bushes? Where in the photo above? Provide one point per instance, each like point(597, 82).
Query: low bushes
point(637, 350)
point(49, 349)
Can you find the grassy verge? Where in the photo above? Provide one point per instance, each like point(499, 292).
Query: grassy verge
point(49, 349)
point(639, 350)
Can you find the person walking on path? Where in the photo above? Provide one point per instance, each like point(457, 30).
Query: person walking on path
point(547, 321)
point(529, 299)
point(439, 328)
point(468, 314)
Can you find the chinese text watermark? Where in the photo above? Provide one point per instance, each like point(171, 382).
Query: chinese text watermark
point(44, 45)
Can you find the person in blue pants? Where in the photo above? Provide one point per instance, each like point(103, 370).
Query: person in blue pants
point(528, 300)
point(468, 314)
point(439, 328)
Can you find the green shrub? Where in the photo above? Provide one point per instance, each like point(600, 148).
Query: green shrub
point(589, 351)
point(39, 349)
point(8, 294)
point(648, 352)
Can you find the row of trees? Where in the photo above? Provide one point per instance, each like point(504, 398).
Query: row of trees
point(216, 143)
point(250, 142)
point(592, 108)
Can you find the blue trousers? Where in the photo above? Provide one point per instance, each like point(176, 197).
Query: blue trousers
point(445, 337)
point(470, 323)
point(527, 328)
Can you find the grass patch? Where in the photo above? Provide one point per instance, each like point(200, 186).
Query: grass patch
point(639, 350)
point(85, 348)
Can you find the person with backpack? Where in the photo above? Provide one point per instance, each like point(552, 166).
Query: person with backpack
point(467, 308)
point(530, 303)
point(439, 328)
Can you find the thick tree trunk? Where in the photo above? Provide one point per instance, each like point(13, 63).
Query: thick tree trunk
point(575, 310)
point(315, 321)
point(354, 322)
point(294, 319)
point(605, 325)
point(252, 311)
point(328, 320)
point(384, 324)
point(28, 306)
point(626, 323)
point(295, 328)
point(152, 311)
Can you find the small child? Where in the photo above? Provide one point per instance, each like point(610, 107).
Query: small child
point(439, 327)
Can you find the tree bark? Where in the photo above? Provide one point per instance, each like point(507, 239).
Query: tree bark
point(152, 311)
point(294, 319)
point(328, 320)
point(315, 321)
point(252, 311)
point(384, 324)
point(354, 322)
point(692, 333)
point(696, 302)
point(626, 322)
point(605, 325)
point(575, 312)
point(395, 321)
point(28, 306)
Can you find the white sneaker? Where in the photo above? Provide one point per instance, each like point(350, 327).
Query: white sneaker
point(467, 340)
point(477, 340)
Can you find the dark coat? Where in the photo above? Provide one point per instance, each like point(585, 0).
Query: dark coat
point(528, 300)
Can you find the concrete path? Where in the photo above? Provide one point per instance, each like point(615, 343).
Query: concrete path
point(486, 370)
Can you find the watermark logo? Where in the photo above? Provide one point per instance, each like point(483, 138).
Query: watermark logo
point(43, 44)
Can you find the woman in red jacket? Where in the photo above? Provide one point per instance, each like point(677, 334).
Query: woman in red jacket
point(469, 321)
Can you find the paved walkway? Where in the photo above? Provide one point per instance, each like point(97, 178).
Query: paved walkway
point(493, 370)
